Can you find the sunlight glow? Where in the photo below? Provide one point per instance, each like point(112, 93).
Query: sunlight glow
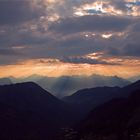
point(106, 36)
point(55, 68)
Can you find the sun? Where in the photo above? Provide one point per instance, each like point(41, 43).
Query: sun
point(99, 6)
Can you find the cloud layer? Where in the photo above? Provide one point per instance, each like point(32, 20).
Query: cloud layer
point(69, 31)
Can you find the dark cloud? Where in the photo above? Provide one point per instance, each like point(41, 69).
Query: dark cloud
point(94, 23)
point(74, 46)
point(136, 27)
point(131, 50)
point(65, 38)
point(16, 11)
point(8, 52)
point(119, 4)
point(85, 60)
point(9, 60)
point(113, 51)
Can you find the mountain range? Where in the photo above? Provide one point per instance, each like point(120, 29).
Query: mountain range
point(28, 112)
point(5, 81)
point(88, 99)
point(134, 78)
point(28, 102)
point(67, 85)
point(118, 119)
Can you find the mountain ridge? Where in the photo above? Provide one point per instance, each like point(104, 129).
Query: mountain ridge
point(67, 85)
point(30, 98)
point(118, 119)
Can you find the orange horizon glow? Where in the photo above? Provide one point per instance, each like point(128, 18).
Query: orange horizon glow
point(55, 68)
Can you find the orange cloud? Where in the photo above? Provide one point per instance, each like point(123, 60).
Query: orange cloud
point(50, 67)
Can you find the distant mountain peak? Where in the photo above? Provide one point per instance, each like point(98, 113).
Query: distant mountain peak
point(67, 85)
point(5, 81)
point(134, 85)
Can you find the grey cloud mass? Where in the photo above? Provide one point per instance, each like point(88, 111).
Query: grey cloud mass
point(92, 23)
point(30, 28)
point(84, 60)
point(16, 11)
point(8, 52)
point(131, 50)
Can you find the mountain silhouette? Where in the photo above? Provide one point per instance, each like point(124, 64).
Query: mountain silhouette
point(88, 99)
point(28, 112)
point(30, 103)
point(130, 88)
point(118, 119)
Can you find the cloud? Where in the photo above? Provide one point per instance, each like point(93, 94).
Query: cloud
point(94, 23)
point(132, 49)
point(8, 52)
point(85, 60)
point(69, 36)
point(17, 11)
point(119, 4)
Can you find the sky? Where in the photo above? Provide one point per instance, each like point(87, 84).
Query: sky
point(69, 37)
